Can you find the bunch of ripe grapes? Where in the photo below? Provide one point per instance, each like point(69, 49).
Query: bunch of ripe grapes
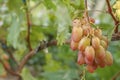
point(91, 45)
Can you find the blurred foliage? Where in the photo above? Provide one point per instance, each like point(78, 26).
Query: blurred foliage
point(51, 19)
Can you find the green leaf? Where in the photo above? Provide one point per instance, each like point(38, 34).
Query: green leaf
point(13, 32)
point(26, 75)
point(51, 65)
point(110, 33)
point(49, 4)
point(63, 24)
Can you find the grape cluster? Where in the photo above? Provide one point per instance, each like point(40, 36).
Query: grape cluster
point(91, 45)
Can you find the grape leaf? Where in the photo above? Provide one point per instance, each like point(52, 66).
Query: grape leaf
point(63, 24)
point(13, 32)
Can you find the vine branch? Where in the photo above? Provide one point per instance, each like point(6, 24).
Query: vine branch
point(9, 70)
point(28, 24)
point(42, 46)
point(116, 76)
point(110, 11)
point(25, 59)
point(8, 50)
point(116, 36)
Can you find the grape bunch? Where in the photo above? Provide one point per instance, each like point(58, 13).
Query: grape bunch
point(91, 45)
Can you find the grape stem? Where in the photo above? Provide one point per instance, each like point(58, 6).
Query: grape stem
point(86, 11)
